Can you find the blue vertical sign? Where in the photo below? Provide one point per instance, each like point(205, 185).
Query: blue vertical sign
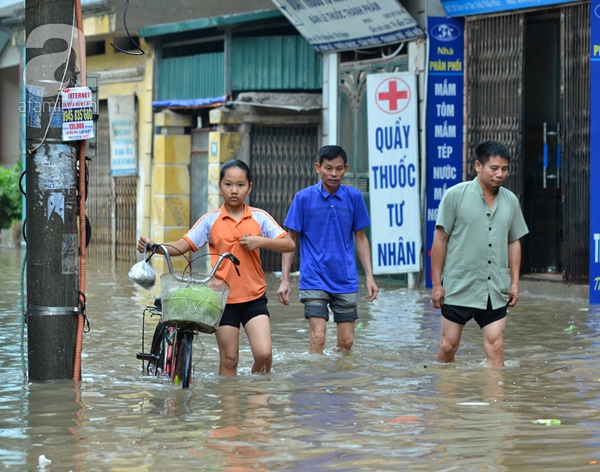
point(444, 119)
point(595, 152)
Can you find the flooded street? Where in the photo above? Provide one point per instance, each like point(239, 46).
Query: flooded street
point(385, 406)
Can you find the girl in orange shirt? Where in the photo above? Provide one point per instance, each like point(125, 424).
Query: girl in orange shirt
point(241, 230)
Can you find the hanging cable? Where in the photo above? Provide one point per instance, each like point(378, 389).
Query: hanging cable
point(141, 51)
point(395, 53)
point(62, 82)
point(23, 287)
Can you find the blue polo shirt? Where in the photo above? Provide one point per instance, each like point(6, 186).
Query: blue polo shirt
point(326, 224)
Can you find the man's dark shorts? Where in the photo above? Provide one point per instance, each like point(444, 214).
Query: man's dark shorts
point(240, 313)
point(462, 314)
point(318, 302)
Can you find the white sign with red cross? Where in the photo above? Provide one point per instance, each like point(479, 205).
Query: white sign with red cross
point(393, 95)
point(394, 173)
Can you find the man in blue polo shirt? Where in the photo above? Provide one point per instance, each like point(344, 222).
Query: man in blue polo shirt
point(329, 219)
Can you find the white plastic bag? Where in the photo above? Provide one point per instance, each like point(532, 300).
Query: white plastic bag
point(142, 274)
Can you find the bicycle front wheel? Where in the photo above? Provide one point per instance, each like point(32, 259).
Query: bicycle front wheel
point(184, 358)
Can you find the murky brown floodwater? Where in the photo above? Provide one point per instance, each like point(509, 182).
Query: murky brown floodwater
point(386, 406)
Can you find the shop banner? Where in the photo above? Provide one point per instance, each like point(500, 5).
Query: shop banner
point(472, 7)
point(122, 135)
point(595, 152)
point(444, 119)
point(392, 111)
point(350, 24)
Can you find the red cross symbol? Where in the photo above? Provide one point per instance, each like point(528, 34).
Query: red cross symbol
point(397, 95)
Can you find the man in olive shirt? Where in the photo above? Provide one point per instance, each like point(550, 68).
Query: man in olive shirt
point(476, 255)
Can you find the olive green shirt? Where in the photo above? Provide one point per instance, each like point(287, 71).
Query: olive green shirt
point(476, 263)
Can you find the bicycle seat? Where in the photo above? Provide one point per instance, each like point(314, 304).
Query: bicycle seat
point(158, 303)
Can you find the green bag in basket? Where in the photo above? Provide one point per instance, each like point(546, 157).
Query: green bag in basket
point(195, 306)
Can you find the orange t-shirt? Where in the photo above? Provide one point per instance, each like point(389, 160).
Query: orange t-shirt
point(222, 233)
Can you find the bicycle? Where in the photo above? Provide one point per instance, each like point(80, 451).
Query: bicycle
point(187, 305)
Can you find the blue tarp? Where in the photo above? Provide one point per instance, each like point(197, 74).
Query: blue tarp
point(190, 103)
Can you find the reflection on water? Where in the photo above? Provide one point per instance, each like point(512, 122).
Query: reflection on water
point(384, 406)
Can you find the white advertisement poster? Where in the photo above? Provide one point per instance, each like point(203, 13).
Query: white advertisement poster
point(394, 173)
point(77, 114)
point(122, 134)
point(350, 24)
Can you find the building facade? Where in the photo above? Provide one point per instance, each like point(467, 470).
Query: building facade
point(246, 79)
point(528, 84)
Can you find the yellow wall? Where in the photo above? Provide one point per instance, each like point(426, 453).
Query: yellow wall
point(99, 25)
point(170, 208)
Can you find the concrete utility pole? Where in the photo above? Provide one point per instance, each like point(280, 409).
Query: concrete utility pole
point(52, 196)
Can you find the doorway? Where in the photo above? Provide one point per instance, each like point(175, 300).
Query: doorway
point(542, 153)
point(112, 201)
point(524, 70)
point(282, 160)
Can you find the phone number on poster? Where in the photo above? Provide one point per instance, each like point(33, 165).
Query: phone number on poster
point(77, 114)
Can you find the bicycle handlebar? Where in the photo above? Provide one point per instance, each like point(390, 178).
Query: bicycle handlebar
point(222, 257)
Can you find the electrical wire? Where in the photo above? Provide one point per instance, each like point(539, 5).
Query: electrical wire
point(394, 54)
point(62, 81)
point(23, 287)
point(142, 52)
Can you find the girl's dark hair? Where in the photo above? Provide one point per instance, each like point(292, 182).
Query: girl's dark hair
point(235, 163)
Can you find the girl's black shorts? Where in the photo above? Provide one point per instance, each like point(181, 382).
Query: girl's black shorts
point(240, 313)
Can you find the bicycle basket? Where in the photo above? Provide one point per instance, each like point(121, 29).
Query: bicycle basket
point(193, 304)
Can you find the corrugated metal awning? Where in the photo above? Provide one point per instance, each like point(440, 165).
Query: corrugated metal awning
point(204, 23)
point(277, 105)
